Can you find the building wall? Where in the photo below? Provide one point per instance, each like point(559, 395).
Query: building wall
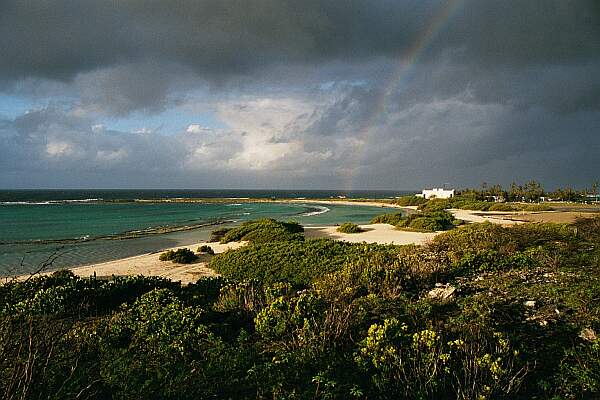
point(438, 193)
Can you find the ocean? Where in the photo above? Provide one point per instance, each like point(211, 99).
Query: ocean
point(81, 227)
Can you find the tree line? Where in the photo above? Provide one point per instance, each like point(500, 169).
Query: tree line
point(532, 191)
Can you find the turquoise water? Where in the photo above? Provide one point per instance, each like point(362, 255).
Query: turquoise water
point(88, 232)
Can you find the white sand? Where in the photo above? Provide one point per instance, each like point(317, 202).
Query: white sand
point(149, 265)
point(374, 233)
point(486, 216)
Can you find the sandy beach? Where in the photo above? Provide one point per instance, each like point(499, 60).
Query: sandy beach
point(149, 264)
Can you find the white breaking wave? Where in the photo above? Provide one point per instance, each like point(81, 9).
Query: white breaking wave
point(37, 203)
point(233, 205)
point(320, 210)
point(24, 203)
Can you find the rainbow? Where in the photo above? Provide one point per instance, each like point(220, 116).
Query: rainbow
point(402, 73)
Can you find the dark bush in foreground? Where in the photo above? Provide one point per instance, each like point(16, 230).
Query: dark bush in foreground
point(206, 249)
point(326, 320)
point(349, 227)
point(180, 256)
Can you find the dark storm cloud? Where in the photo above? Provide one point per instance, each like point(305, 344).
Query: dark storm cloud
point(497, 88)
point(58, 39)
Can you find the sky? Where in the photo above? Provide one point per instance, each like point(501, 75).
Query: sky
point(349, 95)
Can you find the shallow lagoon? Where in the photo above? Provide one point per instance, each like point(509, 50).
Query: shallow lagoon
point(84, 233)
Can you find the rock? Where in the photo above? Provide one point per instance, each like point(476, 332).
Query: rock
point(588, 335)
point(529, 303)
point(442, 292)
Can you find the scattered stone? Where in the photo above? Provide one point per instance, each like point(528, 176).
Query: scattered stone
point(529, 303)
point(442, 292)
point(588, 335)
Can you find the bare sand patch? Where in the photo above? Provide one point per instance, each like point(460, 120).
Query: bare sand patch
point(559, 217)
point(373, 233)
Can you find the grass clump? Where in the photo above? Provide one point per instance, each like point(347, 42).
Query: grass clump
point(180, 256)
point(264, 231)
point(349, 227)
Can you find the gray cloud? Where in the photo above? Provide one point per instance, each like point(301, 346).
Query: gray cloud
point(61, 38)
point(308, 92)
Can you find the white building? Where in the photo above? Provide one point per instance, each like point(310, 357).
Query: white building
point(438, 193)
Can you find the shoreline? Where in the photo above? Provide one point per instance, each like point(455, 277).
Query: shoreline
point(148, 264)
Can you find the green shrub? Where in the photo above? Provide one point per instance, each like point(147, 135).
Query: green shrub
point(206, 249)
point(502, 207)
point(435, 205)
point(217, 234)
point(391, 218)
point(264, 231)
point(536, 207)
point(426, 363)
point(579, 373)
point(428, 221)
point(180, 256)
point(346, 321)
point(295, 262)
point(410, 201)
point(470, 205)
point(349, 227)
point(152, 349)
point(492, 261)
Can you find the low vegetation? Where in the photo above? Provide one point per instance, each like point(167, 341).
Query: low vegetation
point(468, 203)
point(349, 227)
point(482, 312)
point(296, 262)
point(217, 234)
point(180, 256)
point(405, 201)
point(390, 218)
point(263, 231)
point(206, 249)
point(429, 221)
